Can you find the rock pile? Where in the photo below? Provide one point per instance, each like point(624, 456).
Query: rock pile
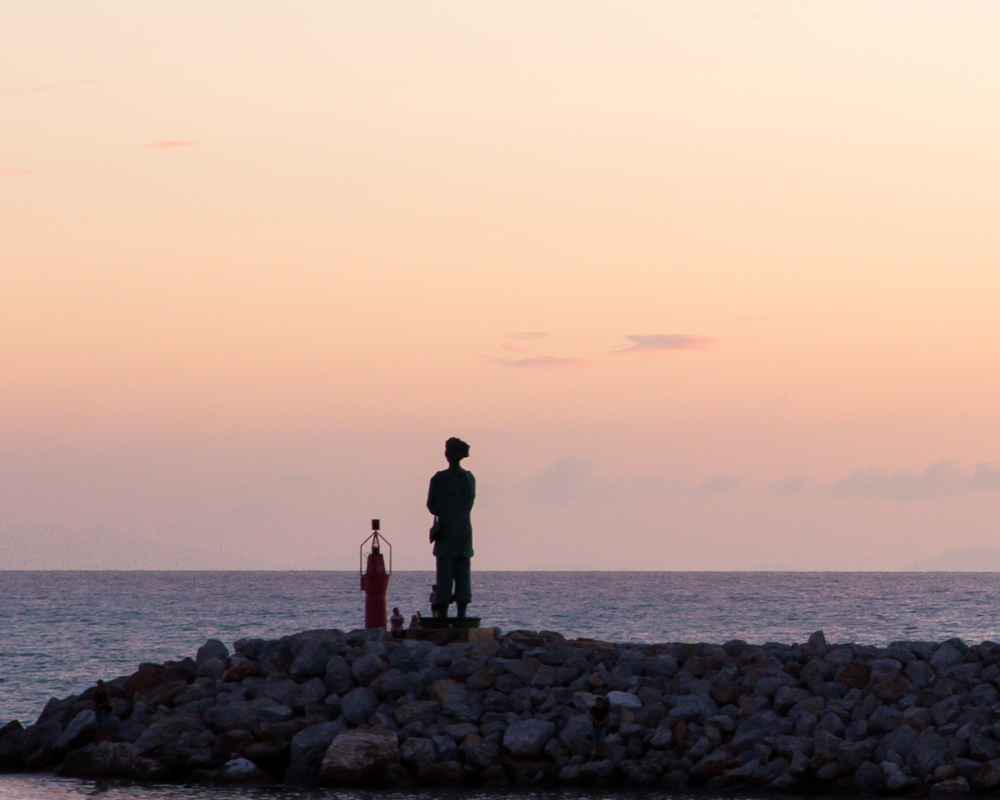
point(357, 708)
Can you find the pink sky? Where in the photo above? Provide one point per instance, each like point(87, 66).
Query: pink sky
point(706, 285)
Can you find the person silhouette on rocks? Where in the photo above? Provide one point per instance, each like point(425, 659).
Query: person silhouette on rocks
point(450, 497)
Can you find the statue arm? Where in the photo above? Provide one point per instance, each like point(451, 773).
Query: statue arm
point(432, 499)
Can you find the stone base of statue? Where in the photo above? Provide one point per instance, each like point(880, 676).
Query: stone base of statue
point(436, 623)
point(444, 630)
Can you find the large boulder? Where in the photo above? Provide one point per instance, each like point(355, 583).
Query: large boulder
point(623, 700)
point(101, 761)
point(80, 730)
point(166, 731)
point(855, 674)
point(213, 668)
point(527, 738)
point(240, 770)
point(358, 705)
point(213, 648)
point(310, 744)
point(338, 676)
point(946, 656)
point(367, 668)
point(692, 708)
point(577, 735)
point(425, 711)
point(417, 753)
point(359, 757)
point(312, 660)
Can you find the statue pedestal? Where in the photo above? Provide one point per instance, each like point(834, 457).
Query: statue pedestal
point(437, 623)
point(444, 631)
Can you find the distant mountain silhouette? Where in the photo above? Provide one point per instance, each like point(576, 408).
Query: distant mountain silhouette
point(982, 558)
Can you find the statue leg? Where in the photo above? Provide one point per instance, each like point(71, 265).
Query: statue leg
point(445, 579)
point(463, 584)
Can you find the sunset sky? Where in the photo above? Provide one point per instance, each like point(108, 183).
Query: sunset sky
point(705, 285)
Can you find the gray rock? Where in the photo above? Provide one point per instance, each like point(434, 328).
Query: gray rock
point(816, 647)
point(868, 777)
point(947, 710)
point(445, 747)
point(900, 740)
point(393, 684)
point(104, 760)
point(831, 723)
point(240, 770)
point(527, 738)
point(80, 730)
point(417, 753)
point(623, 700)
point(768, 687)
point(577, 734)
point(367, 668)
point(663, 738)
point(166, 731)
point(213, 648)
point(310, 744)
point(313, 659)
point(918, 718)
point(692, 708)
point(853, 754)
point(930, 751)
point(425, 711)
point(920, 673)
point(897, 781)
point(338, 676)
point(946, 656)
point(358, 757)
point(358, 705)
point(786, 697)
point(710, 765)
point(213, 668)
point(885, 719)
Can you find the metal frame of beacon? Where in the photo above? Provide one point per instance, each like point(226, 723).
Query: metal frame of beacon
point(375, 578)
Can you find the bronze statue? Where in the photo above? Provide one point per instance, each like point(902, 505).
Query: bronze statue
point(450, 498)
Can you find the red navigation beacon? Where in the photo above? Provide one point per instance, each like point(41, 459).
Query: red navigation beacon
point(375, 578)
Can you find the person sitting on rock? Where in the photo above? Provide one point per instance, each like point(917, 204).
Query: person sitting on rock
point(396, 622)
point(415, 621)
point(102, 710)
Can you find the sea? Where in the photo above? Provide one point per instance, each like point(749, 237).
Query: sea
point(61, 631)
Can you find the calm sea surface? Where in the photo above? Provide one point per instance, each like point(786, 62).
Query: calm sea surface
point(60, 631)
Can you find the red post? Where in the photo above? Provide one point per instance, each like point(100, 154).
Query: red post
point(374, 584)
point(375, 581)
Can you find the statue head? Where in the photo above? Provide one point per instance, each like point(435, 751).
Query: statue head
point(455, 450)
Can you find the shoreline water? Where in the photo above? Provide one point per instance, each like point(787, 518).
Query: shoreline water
point(329, 708)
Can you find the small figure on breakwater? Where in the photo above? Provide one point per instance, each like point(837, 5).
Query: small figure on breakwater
point(450, 498)
point(396, 622)
point(599, 718)
point(102, 710)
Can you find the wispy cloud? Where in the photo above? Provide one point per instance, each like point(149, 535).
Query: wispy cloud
point(574, 480)
point(540, 362)
point(714, 484)
point(659, 342)
point(49, 86)
point(790, 486)
point(527, 335)
point(171, 144)
point(938, 480)
point(569, 480)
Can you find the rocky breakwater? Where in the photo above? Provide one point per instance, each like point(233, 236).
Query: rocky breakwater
point(334, 708)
